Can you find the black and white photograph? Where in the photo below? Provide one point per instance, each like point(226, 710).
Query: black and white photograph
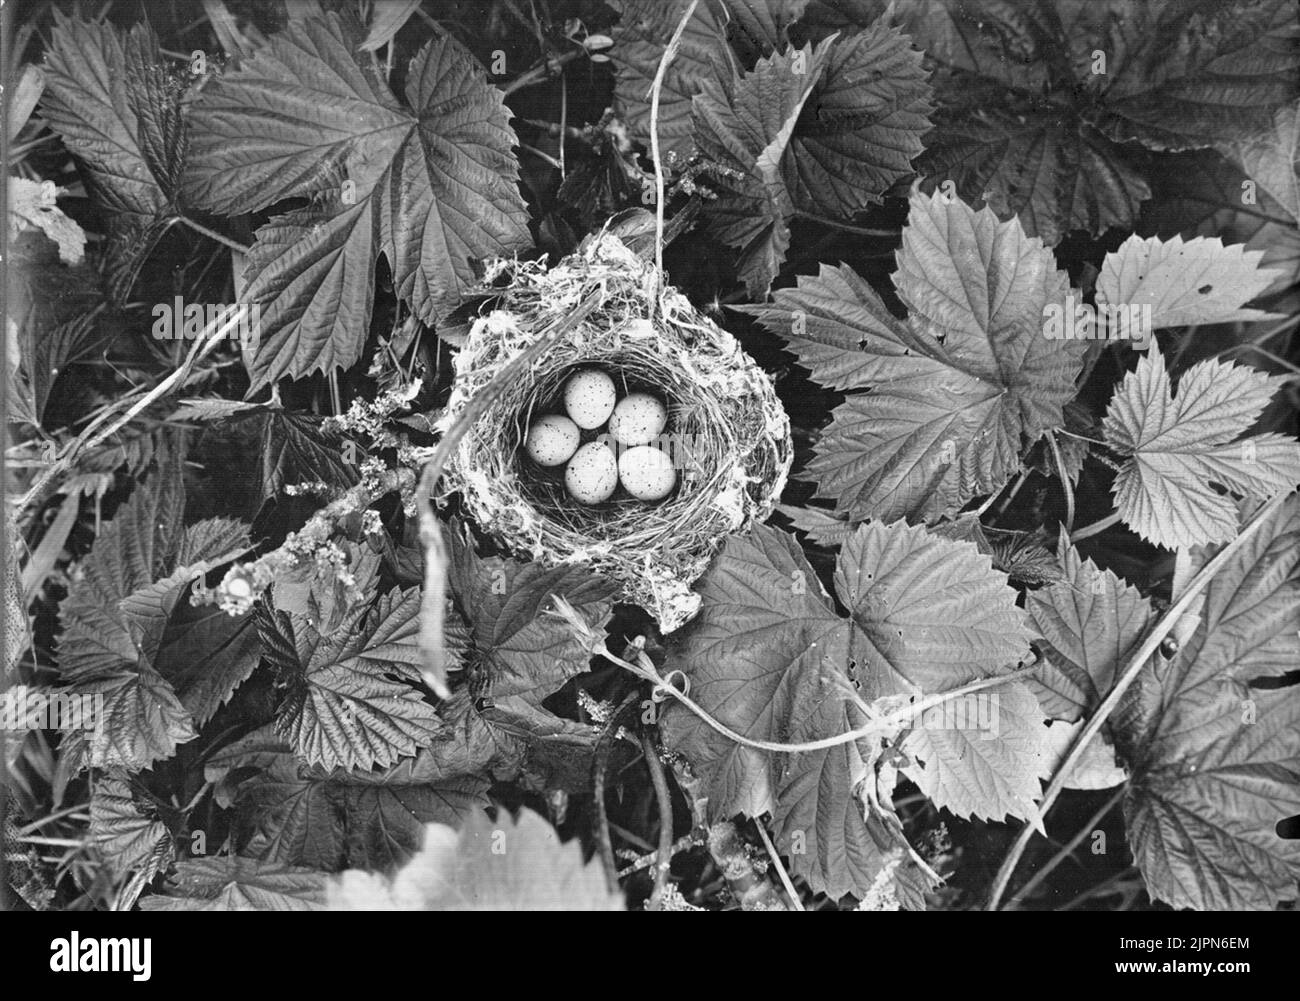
point(652, 455)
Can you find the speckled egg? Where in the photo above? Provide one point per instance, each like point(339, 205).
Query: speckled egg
point(589, 398)
point(638, 419)
point(592, 473)
point(647, 473)
point(552, 440)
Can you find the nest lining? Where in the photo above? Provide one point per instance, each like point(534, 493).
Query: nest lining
point(729, 434)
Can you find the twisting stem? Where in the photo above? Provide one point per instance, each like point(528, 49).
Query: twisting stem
point(878, 724)
point(1131, 671)
point(665, 800)
point(655, 89)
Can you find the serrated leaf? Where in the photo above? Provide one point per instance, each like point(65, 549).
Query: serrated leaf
point(352, 701)
point(292, 813)
point(522, 650)
point(945, 419)
point(1178, 447)
point(769, 657)
point(862, 125)
point(430, 188)
point(1215, 762)
point(1034, 121)
point(643, 30)
point(234, 883)
point(1197, 282)
point(985, 772)
point(126, 839)
point(1193, 74)
point(502, 865)
point(1054, 175)
point(1089, 622)
point(1096, 769)
point(760, 26)
point(1272, 158)
point(88, 102)
point(296, 449)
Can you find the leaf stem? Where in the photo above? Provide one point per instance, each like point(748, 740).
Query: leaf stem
point(665, 800)
point(879, 725)
point(544, 70)
point(778, 865)
point(212, 234)
point(1136, 663)
point(848, 227)
point(1096, 528)
point(656, 88)
point(1066, 485)
point(1067, 849)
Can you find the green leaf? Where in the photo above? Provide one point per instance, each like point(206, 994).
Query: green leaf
point(1178, 447)
point(352, 700)
point(1215, 762)
point(1197, 282)
point(430, 188)
point(958, 390)
point(1090, 621)
point(502, 865)
point(234, 883)
point(770, 658)
point(974, 770)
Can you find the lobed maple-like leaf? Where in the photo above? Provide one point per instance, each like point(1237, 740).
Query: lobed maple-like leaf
point(703, 56)
point(290, 812)
point(430, 186)
point(127, 840)
point(1199, 281)
point(1215, 761)
point(114, 619)
point(1089, 623)
point(1272, 158)
point(1178, 446)
point(826, 130)
point(771, 658)
point(501, 865)
point(987, 762)
point(1046, 107)
point(235, 883)
point(352, 700)
point(957, 390)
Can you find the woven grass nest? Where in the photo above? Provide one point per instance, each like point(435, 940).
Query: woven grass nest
point(728, 433)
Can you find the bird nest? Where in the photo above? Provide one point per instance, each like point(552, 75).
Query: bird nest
point(727, 433)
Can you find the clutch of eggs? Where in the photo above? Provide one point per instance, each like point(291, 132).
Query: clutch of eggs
point(595, 470)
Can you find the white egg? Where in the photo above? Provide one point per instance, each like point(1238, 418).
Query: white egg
point(647, 473)
point(552, 440)
point(592, 473)
point(589, 398)
point(638, 419)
